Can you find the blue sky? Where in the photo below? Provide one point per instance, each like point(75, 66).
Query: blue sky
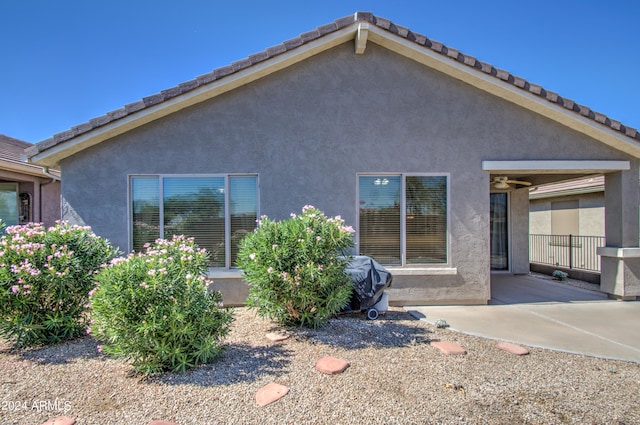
point(63, 62)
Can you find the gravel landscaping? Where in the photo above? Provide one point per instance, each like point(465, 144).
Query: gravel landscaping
point(395, 377)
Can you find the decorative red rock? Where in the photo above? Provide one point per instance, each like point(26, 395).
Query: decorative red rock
point(162, 423)
point(331, 365)
point(447, 347)
point(60, 420)
point(275, 337)
point(270, 393)
point(512, 348)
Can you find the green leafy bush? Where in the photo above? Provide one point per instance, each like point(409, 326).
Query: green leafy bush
point(295, 268)
point(559, 275)
point(154, 308)
point(45, 278)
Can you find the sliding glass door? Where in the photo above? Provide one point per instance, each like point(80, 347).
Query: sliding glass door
point(499, 231)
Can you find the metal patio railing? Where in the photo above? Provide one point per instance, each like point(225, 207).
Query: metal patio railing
point(569, 251)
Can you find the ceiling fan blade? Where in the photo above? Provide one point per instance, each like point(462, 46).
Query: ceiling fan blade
point(520, 182)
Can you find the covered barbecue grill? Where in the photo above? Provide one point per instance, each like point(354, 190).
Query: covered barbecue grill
point(370, 280)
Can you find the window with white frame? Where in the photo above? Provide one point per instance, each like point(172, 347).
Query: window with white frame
point(403, 218)
point(217, 211)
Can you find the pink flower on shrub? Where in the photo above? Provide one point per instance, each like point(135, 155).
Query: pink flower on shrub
point(270, 270)
point(15, 288)
point(144, 285)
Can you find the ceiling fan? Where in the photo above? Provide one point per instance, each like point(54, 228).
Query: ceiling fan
point(503, 182)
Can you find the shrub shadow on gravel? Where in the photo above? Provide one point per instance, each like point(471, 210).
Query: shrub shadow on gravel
point(354, 331)
point(63, 352)
point(238, 363)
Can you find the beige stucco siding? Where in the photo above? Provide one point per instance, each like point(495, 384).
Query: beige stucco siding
point(589, 213)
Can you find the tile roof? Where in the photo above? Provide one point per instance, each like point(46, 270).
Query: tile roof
point(572, 187)
point(12, 149)
point(364, 17)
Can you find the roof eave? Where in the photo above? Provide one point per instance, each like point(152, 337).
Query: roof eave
point(52, 156)
point(21, 168)
point(492, 85)
point(567, 192)
point(447, 61)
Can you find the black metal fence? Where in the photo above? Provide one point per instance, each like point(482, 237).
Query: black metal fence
point(570, 251)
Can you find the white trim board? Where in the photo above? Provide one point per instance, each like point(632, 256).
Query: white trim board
point(556, 166)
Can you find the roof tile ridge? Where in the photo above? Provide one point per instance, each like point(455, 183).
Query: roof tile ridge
point(506, 76)
point(14, 142)
point(386, 24)
point(207, 78)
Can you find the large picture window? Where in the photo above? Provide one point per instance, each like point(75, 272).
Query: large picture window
point(217, 211)
point(403, 219)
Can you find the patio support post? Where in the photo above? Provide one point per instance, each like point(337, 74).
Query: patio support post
point(620, 258)
point(519, 217)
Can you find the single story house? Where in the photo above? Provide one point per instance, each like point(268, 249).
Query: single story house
point(425, 151)
point(28, 193)
point(574, 207)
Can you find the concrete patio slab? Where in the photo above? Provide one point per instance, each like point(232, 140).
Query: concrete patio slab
point(540, 313)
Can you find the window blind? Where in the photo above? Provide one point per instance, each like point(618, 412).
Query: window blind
point(243, 209)
point(426, 219)
point(145, 205)
point(379, 219)
point(195, 207)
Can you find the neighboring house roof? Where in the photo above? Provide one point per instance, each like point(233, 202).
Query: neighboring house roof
point(11, 149)
point(361, 27)
point(573, 187)
point(11, 154)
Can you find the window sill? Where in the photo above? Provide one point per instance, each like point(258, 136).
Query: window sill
point(214, 273)
point(422, 271)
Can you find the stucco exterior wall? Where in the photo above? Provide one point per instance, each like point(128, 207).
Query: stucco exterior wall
point(310, 129)
point(519, 214)
point(540, 217)
point(50, 202)
point(590, 214)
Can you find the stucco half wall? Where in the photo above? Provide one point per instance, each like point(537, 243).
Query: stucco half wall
point(309, 130)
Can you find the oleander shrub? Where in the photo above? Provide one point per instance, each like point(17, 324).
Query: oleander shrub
point(295, 268)
point(155, 309)
point(45, 278)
